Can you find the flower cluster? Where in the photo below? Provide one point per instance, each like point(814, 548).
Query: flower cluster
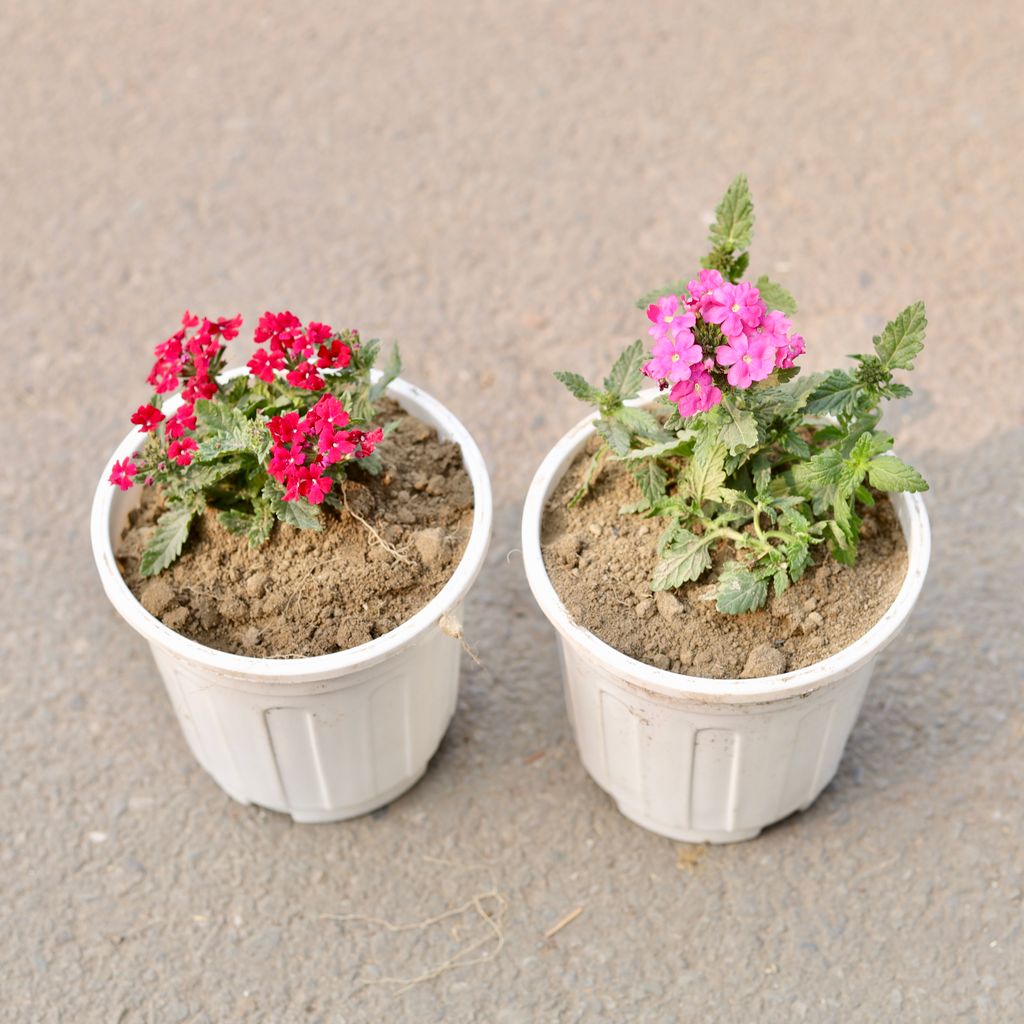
point(258, 448)
point(303, 352)
point(193, 360)
point(754, 341)
point(305, 447)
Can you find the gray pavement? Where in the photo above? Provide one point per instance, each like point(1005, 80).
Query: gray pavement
point(492, 184)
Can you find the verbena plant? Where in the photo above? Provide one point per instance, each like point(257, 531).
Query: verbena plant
point(738, 449)
point(264, 447)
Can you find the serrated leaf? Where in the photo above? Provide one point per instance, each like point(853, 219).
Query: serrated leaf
point(219, 418)
point(705, 474)
point(299, 514)
point(639, 421)
point(167, 540)
point(836, 395)
point(740, 430)
point(677, 288)
point(235, 521)
point(780, 580)
point(902, 339)
point(868, 445)
point(798, 555)
point(615, 434)
point(651, 479)
point(734, 217)
point(666, 449)
point(201, 475)
point(625, 379)
point(739, 591)
point(888, 473)
point(684, 559)
point(775, 296)
point(578, 387)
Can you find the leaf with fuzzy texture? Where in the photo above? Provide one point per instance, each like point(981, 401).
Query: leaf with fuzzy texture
point(740, 430)
point(651, 479)
point(836, 395)
point(888, 473)
point(775, 296)
point(615, 434)
point(638, 421)
point(626, 378)
point(578, 387)
point(739, 591)
point(705, 474)
point(902, 339)
point(734, 217)
point(167, 540)
point(684, 559)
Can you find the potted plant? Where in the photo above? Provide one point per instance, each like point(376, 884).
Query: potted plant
point(295, 538)
point(724, 557)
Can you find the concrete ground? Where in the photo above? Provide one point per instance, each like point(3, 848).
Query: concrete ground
point(493, 184)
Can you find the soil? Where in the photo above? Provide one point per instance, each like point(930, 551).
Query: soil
point(600, 563)
point(306, 593)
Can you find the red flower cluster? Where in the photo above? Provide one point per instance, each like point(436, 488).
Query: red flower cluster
point(196, 360)
point(302, 351)
point(304, 448)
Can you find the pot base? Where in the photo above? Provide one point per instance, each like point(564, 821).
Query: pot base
point(321, 816)
point(686, 835)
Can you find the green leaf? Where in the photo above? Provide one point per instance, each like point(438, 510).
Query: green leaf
point(684, 559)
point(220, 418)
point(638, 421)
point(775, 296)
point(740, 430)
point(705, 474)
point(836, 395)
point(734, 217)
point(615, 434)
point(739, 590)
point(780, 581)
point(578, 387)
point(798, 555)
point(299, 514)
point(902, 339)
point(888, 473)
point(677, 288)
point(389, 371)
point(201, 475)
point(625, 379)
point(169, 537)
point(651, 479)
point(677, 446)
point(235, 521)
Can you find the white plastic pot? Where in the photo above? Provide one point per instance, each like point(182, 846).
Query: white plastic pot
point(321, 738)
point(709, 760)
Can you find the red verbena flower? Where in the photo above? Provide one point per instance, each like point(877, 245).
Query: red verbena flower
point(147, 417)
point(181, 451)
point(122, 474)
point(305, 376)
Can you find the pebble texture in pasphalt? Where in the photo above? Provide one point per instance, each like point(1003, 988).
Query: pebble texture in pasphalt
point(493, 190)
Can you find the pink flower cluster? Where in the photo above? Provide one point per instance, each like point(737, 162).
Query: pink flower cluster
point(303, 352)
point(305, 447)
point(757, 341)
point(196, 360)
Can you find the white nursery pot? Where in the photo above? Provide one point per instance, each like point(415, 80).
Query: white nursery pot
point(321, 738)
point(709, 760)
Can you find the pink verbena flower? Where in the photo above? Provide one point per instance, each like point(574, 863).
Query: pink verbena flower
point(701, 287)
point(147, 418)
point(180, 451)
point(748, 360)
point(786, 355)
point(736, 307)
point(328, 412)
point(123, 473)
point(774, 326)
point(184, 419)
point(673, 357)
point(669, 317)
point(698, 394)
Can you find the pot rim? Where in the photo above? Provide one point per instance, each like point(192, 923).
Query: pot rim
point(325, 666)
point(764, 689)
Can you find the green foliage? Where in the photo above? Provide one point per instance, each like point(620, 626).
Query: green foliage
point(169, 536)
point(779, 471)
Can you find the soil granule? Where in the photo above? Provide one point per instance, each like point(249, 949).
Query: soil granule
point(600, 563)
point(306, 593)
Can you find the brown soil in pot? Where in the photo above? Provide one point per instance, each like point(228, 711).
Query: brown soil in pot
point(600, 563)
point(306, 593)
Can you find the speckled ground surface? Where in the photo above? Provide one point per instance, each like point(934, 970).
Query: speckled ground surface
point(493, 183)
